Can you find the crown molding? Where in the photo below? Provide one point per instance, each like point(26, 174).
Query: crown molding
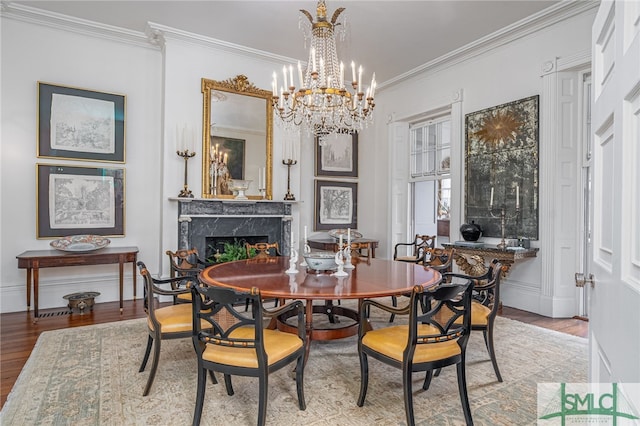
point(159, 34)
point(68, 23)
point(536, 22)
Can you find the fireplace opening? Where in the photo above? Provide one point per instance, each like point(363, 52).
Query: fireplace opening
point(216, 245)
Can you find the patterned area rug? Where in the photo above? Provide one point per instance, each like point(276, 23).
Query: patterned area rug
point(89, 376)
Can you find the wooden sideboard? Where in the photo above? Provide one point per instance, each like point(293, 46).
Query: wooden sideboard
point(472, 260)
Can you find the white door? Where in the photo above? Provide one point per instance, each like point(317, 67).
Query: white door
point(614, 311)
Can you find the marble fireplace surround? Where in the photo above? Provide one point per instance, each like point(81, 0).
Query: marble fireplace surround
point(200, 218)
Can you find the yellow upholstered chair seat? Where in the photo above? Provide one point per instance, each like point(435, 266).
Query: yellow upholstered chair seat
point(392, 341)
point(175, 318)
point(277, 345)
point(479, 314)
point(406, 258)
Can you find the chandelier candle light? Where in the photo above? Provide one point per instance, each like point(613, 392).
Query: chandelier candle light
point(321, 100)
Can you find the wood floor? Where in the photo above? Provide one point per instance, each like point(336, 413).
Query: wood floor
point(18, 334)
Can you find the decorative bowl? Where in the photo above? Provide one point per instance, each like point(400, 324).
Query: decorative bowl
point(80, 243)
point(321, 260)
point(335, 233)
point(81, 301)
point(239, 185)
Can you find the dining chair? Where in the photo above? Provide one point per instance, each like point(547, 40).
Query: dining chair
point(262, 250)
point(424, 343)
point(361, 251)
point(243, 347)
point(485, 305)
point(417, 247)
point(163, 323)
point(185, 262)
point(439, 259)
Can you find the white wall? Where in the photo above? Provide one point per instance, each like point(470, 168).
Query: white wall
point(162, 84)
point(502, 74)
point(32, 53)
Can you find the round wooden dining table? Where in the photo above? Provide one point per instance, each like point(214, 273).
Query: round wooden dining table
point(368, 279)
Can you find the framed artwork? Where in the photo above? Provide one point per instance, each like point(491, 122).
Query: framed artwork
point(234, 151)
point(336, 205)
point(337, 155)
point(79, 200)
point(502, 168)
point(80, 124)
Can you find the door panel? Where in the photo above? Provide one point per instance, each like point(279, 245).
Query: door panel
point(614, 319)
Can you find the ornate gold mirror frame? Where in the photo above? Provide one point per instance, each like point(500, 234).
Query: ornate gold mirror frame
point(241, 86)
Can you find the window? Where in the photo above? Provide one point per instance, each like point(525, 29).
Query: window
point(431, 161)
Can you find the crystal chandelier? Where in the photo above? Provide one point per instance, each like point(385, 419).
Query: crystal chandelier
point(322, 101)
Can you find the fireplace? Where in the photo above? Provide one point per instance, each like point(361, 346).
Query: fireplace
point(203, 221)
point(215, 244)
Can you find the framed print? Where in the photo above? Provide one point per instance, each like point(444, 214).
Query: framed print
point(502, 168)
point(336, 205)
point(79, 200)
point(337, 155)
point(80, 124)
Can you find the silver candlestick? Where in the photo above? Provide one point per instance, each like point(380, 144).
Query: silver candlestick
point(503, 219)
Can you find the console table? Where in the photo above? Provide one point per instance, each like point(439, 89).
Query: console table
point(33, 260)
point(330, 244)
point(471, 260)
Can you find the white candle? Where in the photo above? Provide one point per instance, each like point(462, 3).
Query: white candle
point(517, 196)
point(353, 71)
point(300, 75)
point(284, 76)
point(291, 75)
point(360, 76)
point(259, 177)
point(340, 245)
point(275, 84)
point(491, 199)
point(349, 237)
point(305, 233)
point(264, 178)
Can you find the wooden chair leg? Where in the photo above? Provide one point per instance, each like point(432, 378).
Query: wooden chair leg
point(262, 398)
point(427, 379)
point(228, 385)
point(146, 354)
point(488, 338)
point(408, 395)
point(213, 377)
point(200, 390)
point(154, 365)
point(462, 389)
point(364, 378)
point(394, 303)
point(302, 404)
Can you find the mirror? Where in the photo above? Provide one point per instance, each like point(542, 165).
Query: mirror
point(237, 128)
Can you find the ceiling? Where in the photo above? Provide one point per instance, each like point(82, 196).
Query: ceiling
point(388, 37)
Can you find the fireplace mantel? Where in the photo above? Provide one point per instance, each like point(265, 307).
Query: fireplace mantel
point(199, 218)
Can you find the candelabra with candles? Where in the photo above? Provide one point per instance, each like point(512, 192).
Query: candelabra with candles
point(217, 168)
point(186, 154)
point(504, 216)
point(289, 162)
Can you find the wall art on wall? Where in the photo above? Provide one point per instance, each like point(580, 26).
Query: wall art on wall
point(79, 200)
point(80, 124)
point(337, 155)
point(502, 168)
point(336, 205)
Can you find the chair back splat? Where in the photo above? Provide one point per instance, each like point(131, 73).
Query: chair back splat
point(238, 344)
point(185, 263)
point(260, 250)
point(417, 247)
point(426, 342)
